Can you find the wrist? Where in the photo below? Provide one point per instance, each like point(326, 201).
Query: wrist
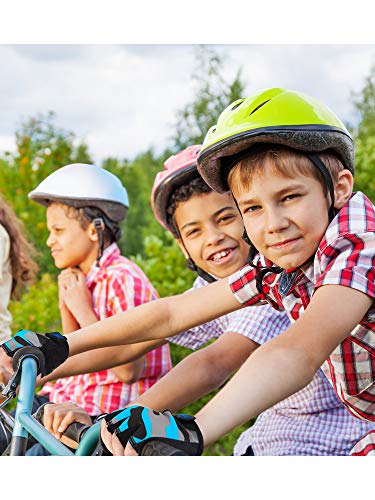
point(85, 317)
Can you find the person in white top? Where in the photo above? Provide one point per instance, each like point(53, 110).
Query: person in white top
point(17, 267)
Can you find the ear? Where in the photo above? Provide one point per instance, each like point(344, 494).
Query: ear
point(92, 233)
point(343, 188)
point(182, 247)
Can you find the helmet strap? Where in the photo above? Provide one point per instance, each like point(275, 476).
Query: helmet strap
point(203, 274)
point(99, 224)
point(192, 265)
point(327, 177)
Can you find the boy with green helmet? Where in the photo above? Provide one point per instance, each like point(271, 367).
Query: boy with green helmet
point(288, 162)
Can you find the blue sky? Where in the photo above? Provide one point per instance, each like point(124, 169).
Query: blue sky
point(122, 99)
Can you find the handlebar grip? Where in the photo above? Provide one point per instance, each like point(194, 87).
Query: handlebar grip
point(75, 431)
point(28, 351)
point(160, 449)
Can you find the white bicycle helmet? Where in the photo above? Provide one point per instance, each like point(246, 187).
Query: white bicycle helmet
point(89, 187)
point(82, 185)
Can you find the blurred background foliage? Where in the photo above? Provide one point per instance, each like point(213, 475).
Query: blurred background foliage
point(43, 147)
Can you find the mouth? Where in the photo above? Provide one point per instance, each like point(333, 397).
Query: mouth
point(284, 244)
point(222, 255)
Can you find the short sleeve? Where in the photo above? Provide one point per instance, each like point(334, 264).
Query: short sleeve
point(128, 291)
point(349, 261)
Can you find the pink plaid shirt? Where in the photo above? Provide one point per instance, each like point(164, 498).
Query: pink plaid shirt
point(346, 256)
point(117, 285)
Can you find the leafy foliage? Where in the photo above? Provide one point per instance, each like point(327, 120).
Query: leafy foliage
point(212, 95)
point(38, 308)
point(364, 137)
point(42, 147)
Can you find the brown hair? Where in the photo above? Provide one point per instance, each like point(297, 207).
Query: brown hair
point(84, 220)
point(283, 160)
point(195, 187)
point(21, 253)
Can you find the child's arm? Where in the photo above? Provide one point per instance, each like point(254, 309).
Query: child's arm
point(199, 373)
point(157, 319)
point(287, 363)
point(100, 359)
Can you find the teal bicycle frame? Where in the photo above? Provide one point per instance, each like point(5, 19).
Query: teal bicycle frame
point(25, 423)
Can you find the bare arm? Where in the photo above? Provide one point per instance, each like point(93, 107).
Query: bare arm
point(199, 373)
point(287, 363)
point(101, 359)
point(68, 322)
point(77, 311)
point(157, 319)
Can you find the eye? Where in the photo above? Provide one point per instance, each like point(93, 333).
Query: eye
point(227, 218)
point(291, 196)
point(192, 232)
point(251, 209)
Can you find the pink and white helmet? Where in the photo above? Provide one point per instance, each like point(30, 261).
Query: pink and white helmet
point(178, 170)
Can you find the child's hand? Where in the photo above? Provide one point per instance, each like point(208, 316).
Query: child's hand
point(57, 418)
point(75, 296)
point(5, 362)
point(52, 345)
point(138, 425)
point(113, 444)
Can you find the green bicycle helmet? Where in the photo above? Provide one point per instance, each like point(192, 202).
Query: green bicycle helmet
point(275, 116)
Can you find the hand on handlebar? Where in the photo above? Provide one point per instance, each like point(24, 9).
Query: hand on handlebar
point(53, 346)
point(57, 418)
point(138, 426)
point(112, 443)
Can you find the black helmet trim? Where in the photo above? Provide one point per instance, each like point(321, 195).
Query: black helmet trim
point(113, 210)
point(309, 138)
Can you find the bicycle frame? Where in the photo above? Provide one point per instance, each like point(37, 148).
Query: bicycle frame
point(25, 423)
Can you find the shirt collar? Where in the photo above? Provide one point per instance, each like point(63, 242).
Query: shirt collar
point(110, 253)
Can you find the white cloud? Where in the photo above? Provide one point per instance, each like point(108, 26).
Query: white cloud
point(123, 99)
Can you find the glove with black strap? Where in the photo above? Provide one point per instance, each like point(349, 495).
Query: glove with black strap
point(53, 346)
point(139, 425)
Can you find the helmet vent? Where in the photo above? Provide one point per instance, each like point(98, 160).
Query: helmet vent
point(236, 105)
point(260, 105)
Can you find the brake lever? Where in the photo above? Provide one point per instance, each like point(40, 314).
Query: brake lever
point(9, 390)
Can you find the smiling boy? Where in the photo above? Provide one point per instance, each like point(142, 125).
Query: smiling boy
point(326, 286)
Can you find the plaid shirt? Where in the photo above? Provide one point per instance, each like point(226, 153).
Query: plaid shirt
point(117, 285)
point(311, 422)
point(345, 256)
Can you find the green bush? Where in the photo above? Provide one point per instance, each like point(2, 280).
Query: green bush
point(38, 307)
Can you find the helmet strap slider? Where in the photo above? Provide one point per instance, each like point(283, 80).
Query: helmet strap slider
point(99, 226)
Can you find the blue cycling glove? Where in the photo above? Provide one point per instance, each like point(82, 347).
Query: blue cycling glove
point(140, 425)
point(53, 346)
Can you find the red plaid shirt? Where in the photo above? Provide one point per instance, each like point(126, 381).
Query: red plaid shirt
point(345, 256)
point(117, 285)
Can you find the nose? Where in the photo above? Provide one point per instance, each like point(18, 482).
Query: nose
point(214, 235)
point(50, 240)
point(276, 220)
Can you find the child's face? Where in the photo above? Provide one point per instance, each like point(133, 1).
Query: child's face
point(211, 229)
point(70, 244)
point(285, 218)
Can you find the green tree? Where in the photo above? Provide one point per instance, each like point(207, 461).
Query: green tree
point(42, 147)
point(364, 137)
point(138, 177)
point(212, 95)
